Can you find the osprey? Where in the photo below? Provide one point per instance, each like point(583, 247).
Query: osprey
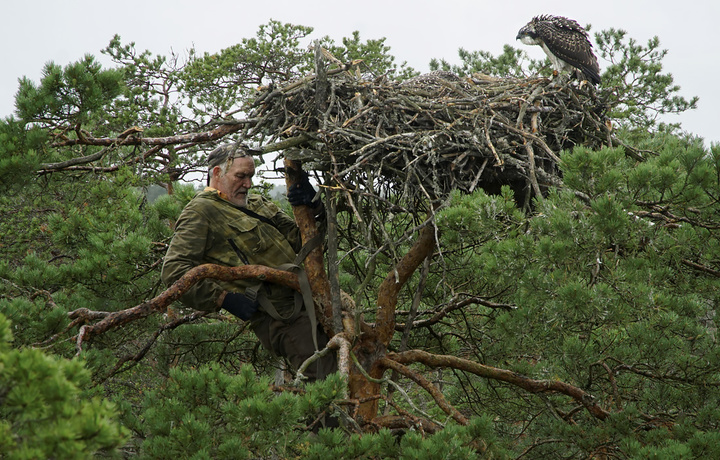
point(565, 42)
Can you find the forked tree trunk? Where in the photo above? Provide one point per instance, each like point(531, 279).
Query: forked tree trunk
point(370, 346)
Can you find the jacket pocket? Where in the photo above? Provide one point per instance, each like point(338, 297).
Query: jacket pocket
point(246, 238)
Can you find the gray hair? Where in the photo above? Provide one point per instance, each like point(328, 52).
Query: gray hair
point(223, 155)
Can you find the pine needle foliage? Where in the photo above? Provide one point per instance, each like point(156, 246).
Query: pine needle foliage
point(606, 280)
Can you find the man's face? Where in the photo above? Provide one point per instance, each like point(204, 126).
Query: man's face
point(236, 182)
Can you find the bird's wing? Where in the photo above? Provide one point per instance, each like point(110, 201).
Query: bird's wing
point(569, 42)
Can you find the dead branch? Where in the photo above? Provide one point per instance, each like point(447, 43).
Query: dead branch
point(395, 422)
point(453, 306)
point(111, 320)
point(137, 357)
point(701, 268)
point(526, 383)
point(222, 130)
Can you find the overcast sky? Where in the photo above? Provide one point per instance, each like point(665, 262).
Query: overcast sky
point(39, 31)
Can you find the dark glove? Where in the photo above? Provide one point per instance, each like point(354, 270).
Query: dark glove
point(240, 305)
point(301, 193)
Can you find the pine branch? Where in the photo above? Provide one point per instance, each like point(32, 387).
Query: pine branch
point(526, 383)
point(111, 320)
point(427, 386)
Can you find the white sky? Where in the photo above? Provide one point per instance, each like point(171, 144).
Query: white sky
point(35, 32)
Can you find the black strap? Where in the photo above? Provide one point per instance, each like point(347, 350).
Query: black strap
point(255, 292)
point(257, 216)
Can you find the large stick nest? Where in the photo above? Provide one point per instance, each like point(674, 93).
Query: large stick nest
point(434, 133)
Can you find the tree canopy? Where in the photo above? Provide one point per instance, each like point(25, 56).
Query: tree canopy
point(576, 322)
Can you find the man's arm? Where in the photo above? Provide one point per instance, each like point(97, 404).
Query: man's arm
point(186, 251)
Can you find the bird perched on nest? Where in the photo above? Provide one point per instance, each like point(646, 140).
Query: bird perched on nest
point(565, 42)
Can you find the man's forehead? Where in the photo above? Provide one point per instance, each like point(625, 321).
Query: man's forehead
point(242, 164)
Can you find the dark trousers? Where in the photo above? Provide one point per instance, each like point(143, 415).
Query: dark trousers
point(293, 341)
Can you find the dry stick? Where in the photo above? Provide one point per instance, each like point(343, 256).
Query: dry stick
point(531, 164)
point(527, 104)
point(332, 261)
point(477, 176)
point(498, 161)
point(337, 342)
point(449, 308)
point(141, 354)
point(700, 267)
point(613, 382)
point(526, 383)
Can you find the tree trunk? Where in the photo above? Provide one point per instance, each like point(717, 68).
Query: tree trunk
point(372, 346)
point(314, 266)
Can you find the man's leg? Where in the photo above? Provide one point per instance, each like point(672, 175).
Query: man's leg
point(294, 341)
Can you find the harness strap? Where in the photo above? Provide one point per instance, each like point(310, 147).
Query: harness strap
point(307, 248)
point(303, 297)
point(255, 292)
point(305, 290)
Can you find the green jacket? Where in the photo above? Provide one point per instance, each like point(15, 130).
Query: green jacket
point(211, 230)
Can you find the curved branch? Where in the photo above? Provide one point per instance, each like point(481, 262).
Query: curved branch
point(428, 386)
point(449, 308)
point(214, 134)
point(111, 320)
point(526, 383)
point(76, 163)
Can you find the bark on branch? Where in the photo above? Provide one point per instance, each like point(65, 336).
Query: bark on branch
point(314, 263)
point(427, 386)
point(396, 279)
point(214, 134)
point(111, 320)
point(526, 383)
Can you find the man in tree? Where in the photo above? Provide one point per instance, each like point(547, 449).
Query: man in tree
point(226, 225)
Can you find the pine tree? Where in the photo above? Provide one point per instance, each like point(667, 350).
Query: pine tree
point(46, 410)
point(608, 284)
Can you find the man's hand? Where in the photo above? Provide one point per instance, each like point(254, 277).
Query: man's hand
point(302, 192)
point(240, 305)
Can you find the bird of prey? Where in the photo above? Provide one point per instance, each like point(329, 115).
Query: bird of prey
point(565, 42)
